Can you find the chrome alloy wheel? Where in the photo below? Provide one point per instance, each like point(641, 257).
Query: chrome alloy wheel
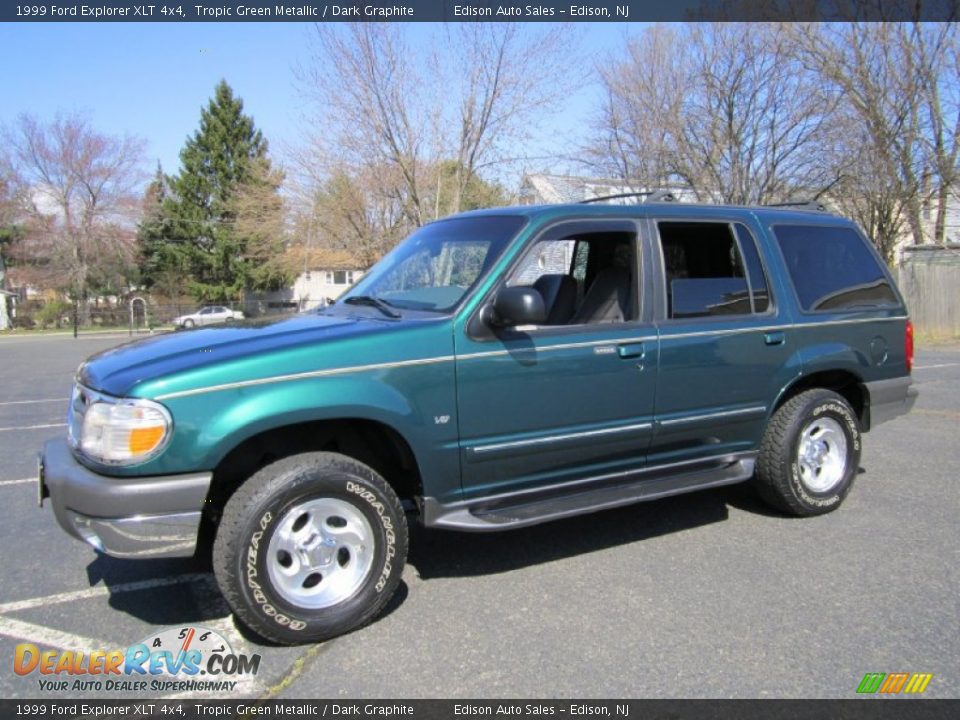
point(320, 553)
point(822, 454)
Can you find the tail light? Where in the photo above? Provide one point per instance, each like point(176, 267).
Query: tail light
point(908, 345)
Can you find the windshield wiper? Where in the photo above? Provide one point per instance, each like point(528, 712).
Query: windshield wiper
point(381, 305)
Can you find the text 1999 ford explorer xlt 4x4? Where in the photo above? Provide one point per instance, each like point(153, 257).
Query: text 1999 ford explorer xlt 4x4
point(497, 369)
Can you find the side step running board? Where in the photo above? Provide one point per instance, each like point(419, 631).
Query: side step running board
point(520, 510)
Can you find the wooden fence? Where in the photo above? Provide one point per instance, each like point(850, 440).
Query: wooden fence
point(929, 278)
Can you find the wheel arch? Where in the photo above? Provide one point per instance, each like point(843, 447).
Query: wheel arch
point(371, 442)
point(846, 383)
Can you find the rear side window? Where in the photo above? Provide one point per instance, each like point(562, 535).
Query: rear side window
point(705, 274)
point(758, 281)
point(832, 268)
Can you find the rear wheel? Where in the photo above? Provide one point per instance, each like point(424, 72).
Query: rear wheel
point(188, 323)
point(810, 454)
point(310, 547)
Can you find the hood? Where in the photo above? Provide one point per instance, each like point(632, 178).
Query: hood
point(117, 371)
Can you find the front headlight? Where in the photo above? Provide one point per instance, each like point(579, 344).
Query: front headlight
point(117, 431)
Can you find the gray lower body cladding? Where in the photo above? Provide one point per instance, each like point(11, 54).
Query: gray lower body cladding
point(890, 399)
point(138, 517)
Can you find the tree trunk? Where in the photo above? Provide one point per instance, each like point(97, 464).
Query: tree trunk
point(940, 225)
point(915, 219)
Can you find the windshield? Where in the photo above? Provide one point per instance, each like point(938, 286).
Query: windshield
point(439, 264)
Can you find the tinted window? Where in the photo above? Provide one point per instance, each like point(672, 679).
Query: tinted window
point(758, 281)
point(704, 270)
point(580, 258)
point(832, 268)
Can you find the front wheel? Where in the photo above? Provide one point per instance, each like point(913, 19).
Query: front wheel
point(810, 454)
point(310, 547)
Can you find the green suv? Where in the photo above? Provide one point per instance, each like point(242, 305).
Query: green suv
point(497, 369)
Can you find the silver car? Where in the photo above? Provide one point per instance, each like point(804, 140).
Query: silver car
point(209, 315)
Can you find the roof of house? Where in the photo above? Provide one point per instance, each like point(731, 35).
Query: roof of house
point(551, 189)
point(543, 189)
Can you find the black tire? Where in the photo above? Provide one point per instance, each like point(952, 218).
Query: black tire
point(267, 502)
point(783, 479)
point(188, 324)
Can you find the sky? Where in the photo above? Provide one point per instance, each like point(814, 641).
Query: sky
point(151, 79)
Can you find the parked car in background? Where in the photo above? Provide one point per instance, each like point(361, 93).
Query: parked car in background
point(208, 316)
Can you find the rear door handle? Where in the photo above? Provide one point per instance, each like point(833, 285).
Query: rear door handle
point(630, 350)
point(774, 338)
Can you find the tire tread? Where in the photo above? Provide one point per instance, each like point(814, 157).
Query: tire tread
point(772, 476)
point(257, 489)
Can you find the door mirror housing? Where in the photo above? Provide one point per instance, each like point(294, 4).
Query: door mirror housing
point(516, 306)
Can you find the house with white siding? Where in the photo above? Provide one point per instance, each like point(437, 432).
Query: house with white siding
point(323, 276)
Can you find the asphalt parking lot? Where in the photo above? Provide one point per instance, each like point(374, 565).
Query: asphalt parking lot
point(704, 595)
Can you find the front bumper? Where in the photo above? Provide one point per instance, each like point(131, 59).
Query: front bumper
point(139, 517)
point(890, 399)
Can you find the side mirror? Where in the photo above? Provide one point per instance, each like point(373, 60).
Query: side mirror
point(517, 306)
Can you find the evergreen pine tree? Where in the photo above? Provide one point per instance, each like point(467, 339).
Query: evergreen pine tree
point(199, 214)
point(163, 260)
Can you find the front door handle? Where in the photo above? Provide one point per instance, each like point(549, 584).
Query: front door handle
point(630, 350)
point(774, 338)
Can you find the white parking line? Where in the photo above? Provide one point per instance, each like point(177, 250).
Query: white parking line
point(931, 367)
point(21, 481)
point(49, 636)
point(246, 686)
point(34, 402)
point(211, 603)
point(32, 427)
point(101, 590)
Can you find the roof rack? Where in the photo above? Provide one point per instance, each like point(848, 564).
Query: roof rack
point(813, 205)
point(651, 196)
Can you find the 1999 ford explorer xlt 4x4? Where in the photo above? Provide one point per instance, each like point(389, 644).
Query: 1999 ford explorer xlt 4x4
point(497, 369)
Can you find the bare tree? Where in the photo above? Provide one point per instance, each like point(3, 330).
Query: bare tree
point(900, 79)
point(8, 233)
point(393, 117)
point(643, 98)
point(862, 192)
point(346, 215)
point(78, 198)
point(374, 107)
point(510, 77)
point(753, 130)
point(259, 217)
point(732, 115)
point(937, 64)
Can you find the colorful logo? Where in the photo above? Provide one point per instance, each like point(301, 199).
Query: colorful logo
point(165, 661)
point(894, 683)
